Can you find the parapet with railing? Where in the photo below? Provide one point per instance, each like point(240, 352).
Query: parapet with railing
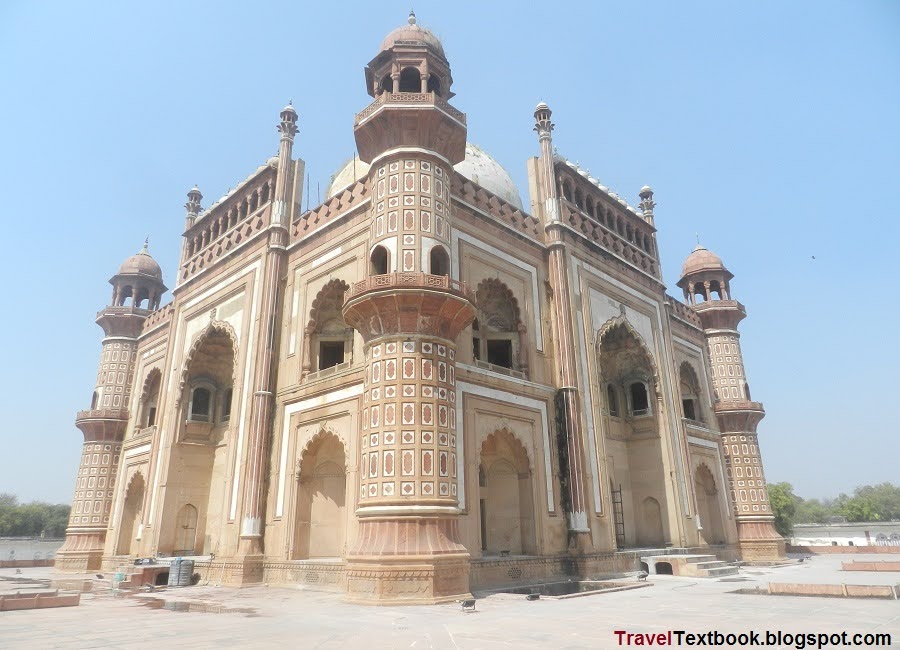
point(413, 99)
point(409, 280)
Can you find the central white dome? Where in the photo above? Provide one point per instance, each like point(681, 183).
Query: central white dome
point(478, 167)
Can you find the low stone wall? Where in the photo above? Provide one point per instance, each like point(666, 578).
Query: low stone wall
point(844, 550)
point(883, 565)
point(10, 564)
point(844, 591)
point(38, 600)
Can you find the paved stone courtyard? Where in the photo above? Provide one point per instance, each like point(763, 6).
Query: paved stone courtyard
point(260, 617)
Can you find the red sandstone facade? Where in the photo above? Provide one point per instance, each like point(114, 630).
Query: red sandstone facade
point(418, 387)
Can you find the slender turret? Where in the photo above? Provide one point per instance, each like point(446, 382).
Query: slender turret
point(409, 313)
point(706, 285)
point(137, 290)
point(567, 400)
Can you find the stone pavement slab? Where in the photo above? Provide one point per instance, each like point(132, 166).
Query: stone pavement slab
point(298, 618)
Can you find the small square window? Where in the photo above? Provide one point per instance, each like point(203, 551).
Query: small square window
point(499, 353)
point(331, 353)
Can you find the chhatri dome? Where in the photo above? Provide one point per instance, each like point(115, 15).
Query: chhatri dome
point(412, 34)
point(701, 259)
point(478, 166)
point(141, 264)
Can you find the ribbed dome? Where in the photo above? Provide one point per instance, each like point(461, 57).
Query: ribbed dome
point(141, 264)
point(412, 34)
point(701, 259)
point(478, 166)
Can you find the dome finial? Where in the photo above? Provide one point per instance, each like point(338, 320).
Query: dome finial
point(412, 17)
point(146, 249)
point(699, 246)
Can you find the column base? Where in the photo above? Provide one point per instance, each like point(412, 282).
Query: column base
point(409, 581)
point(408, 561)
point(81, 553)
point(760, 542)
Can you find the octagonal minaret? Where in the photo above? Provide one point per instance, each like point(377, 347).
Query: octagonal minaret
point(137, 290)
point(409, 313)
point(706, 285)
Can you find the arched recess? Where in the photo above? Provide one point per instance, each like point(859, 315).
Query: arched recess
point(150, 398)
point(410, 80)
point(131, 514)
point(321, 499)
point(709, 507)
point(506, 496)
point(499, 336)
point(329, 341)
point(438, 261)
point(650, 532)
point(186, 530)
point(635, 459)
point(199, 472)
point(689, 387)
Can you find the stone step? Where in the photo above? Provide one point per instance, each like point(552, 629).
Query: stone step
point(696, 559)
point(720, 572)
point(714, 564)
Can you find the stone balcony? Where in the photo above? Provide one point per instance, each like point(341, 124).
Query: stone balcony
point(417, 100)
point(102, 424)
point(409, 302)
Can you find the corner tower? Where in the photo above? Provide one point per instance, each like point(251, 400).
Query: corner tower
point(705, 283)
point(409, 313)
point(137, 290)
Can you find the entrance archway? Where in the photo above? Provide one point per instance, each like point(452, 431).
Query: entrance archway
point(186, 530)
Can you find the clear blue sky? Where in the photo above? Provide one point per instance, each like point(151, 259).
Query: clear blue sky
point(769, 128)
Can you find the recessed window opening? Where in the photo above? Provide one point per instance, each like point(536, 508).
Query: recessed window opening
point(379, 260)
point(611, 402)
point(201, 404)
point(331, 353)
point(499, 353)
point(226, 405)
point(476, 341)
point(434, 85)
point(439, 261)
point(410, 81)
point(387, 84)
point(689, 412)
point(640, 404)
point(94, 398)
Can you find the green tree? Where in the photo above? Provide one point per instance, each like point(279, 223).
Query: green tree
point(812, 511)
point(31, 519)
point(784, 506)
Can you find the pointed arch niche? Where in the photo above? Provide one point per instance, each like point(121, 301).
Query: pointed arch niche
point(709, 506)
point(506, 496)
point(198, 473)
point(328, 339)
point(632, 432)
point(130, 522)
point(498, 332)
point(321, 499)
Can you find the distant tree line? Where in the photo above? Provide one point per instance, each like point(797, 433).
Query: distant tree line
point(32, 519)
point(867, 503)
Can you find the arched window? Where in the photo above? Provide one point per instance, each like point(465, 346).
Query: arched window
point(329, 340)
point(225, 405)
point(690, 392)
point(387, 84)
point(579, 201)
point(500, 335)
point(410, 81)
point(567, 191)
point(150, 398)
point(94, 399)
point(439, 261)
point(434, 84)
point(380, 261)
point(640, 403)
point(612, 403)
point(200, 407)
